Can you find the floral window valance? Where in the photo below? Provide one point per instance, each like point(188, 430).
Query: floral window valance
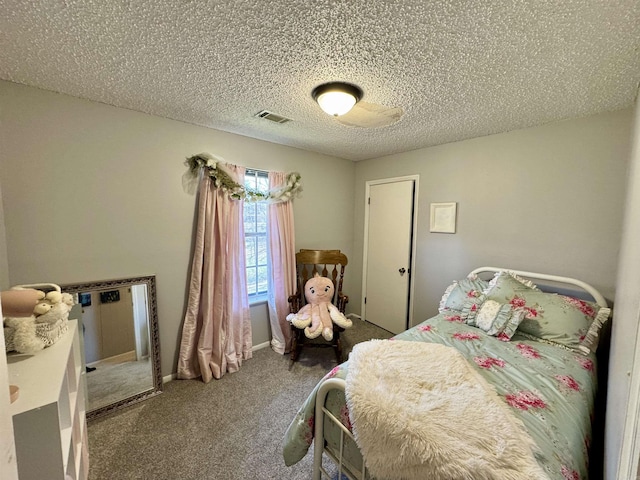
point(214, 167)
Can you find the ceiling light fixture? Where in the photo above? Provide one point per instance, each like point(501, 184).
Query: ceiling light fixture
point(336, 98)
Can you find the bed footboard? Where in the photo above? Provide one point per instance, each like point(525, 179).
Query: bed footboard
point(336, 453)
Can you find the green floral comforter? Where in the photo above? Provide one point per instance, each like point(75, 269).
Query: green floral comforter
point(551, 389)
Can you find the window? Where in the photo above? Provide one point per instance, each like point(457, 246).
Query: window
point(255, 234)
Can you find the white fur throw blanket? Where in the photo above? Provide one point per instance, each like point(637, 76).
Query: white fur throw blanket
point(419, 411)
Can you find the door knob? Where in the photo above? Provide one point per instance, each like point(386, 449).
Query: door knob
point(402, 271)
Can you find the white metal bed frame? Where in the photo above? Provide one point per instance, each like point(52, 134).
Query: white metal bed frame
point(322, 413)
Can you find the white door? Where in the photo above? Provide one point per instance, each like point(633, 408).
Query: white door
point(388, 247)
point(140, 320)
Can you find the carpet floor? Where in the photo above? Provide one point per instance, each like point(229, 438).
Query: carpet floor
point(228, 429)
point(109, 383)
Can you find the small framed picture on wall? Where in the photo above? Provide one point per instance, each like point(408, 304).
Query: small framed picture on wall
point(84, 299)
point(443, 217)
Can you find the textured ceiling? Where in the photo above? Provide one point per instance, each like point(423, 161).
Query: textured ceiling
point(458, 69)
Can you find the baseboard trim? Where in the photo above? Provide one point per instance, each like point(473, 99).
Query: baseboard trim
point(260, 346)
point(120, 358)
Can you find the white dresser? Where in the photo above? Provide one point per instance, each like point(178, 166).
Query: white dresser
point(49, 415)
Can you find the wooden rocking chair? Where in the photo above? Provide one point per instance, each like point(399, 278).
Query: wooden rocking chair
point(330, 264)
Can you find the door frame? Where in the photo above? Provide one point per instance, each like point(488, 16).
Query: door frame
point(630, 444)
point(414, 228)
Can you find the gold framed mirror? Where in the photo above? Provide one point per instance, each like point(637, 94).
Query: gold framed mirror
point(118, 322)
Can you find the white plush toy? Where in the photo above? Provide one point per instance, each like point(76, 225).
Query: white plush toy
point(20, 335)
point(41, 329)
point(54, 307)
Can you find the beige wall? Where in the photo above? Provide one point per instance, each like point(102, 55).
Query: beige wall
point(548, 199)
point(94, 192)
point(4, 261)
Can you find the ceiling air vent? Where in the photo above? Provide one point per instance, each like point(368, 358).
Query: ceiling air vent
point(267, 115)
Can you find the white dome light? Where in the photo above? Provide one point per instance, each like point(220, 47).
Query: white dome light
point(337, 98)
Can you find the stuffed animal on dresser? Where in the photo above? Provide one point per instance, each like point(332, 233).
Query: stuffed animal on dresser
point(54, 307)
point(319, 314)
point(46, 324)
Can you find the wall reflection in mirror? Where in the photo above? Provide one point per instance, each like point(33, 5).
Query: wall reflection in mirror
point(121, 342)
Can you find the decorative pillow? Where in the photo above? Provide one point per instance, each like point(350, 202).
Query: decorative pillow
point(556, 318)
point(459, 291)
point(510, 282)
point(497, 319)
point(590, 343)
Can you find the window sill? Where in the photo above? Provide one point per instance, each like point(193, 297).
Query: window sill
point(258, 299)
